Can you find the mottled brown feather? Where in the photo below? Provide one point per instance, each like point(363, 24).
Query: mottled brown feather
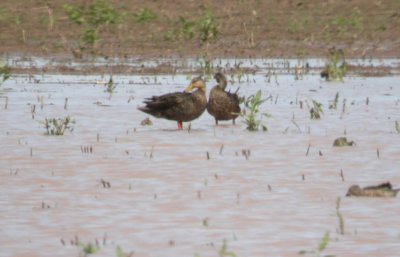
point(223, 105)
point(178, 106)
point(382, 190)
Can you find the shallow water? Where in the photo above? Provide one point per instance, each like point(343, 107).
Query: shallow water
point(167, 199)
point(188, 65)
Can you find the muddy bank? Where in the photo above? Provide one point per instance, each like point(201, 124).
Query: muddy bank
point(178, 29)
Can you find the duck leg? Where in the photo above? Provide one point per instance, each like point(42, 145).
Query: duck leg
point(180, 125)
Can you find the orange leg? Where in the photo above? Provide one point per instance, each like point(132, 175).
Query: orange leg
point(180, 125)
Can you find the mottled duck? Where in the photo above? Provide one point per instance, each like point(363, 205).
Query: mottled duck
point(223, 105)
point(179, 106)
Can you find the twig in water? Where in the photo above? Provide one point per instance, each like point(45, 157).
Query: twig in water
point(342, 175)
point(151, 152)
point(308, 149)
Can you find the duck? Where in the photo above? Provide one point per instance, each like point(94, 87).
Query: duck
point(179, 106)
point(223, 105)
point(382, 190)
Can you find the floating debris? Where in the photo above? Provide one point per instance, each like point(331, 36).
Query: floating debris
point(342, 141)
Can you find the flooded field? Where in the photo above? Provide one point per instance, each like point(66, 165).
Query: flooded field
point(207, 191)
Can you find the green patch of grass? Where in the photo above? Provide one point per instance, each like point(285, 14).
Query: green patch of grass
point(208, 28)
point(293, 27)
point(145, 15)
point(5, 15)
point(92, 18)
point(342, 24)
point(185, 30)
point(356, 19)
point(251, 115)
point(57, 126)
point(75, 13)
point(339, 23)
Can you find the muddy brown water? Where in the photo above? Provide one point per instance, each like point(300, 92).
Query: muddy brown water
point(167, 199)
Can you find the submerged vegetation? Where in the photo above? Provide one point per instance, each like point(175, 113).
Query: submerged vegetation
point(321, 247)
point(57, 126)
point(316, 110)
point(251, 115)
point(88, 248)
point(335, 67)
point(333, 104)
point(110, 87)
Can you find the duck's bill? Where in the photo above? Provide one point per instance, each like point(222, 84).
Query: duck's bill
point(189, 88)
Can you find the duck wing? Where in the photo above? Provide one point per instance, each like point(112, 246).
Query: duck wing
point(164, 102)
point(179, 106)
point(386, 186)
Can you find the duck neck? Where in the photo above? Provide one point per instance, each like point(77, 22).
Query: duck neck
point(222, 83)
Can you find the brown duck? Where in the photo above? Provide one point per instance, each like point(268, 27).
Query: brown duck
point(179, 106)
point(382, 190)
point(223, 105)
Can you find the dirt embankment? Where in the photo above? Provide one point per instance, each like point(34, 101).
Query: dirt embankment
point(281, 28)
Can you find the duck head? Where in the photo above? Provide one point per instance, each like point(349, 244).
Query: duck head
point(355, 190)
point(196, 83)
point(221, 80)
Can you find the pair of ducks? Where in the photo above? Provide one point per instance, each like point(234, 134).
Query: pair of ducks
point(187, 106)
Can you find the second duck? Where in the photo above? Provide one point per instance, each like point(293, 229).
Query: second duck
point(223, 105)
